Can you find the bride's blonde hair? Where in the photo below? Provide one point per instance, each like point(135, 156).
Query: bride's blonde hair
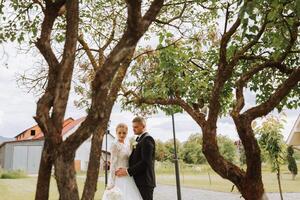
point(122, 125)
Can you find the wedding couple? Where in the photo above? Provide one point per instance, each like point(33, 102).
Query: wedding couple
point(132, 174)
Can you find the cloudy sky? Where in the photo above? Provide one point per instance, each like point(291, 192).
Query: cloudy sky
point(17, 107)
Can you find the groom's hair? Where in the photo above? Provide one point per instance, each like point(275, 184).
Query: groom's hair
point(139, 120)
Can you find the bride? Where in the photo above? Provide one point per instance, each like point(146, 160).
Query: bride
point(120, 188)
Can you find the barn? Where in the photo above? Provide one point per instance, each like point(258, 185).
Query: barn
point(24, 152)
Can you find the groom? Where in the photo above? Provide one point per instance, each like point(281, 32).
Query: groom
point(141, 161)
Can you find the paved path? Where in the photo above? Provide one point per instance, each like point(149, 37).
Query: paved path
point(165, 192)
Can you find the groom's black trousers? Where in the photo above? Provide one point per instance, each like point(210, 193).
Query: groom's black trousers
point(146, 192)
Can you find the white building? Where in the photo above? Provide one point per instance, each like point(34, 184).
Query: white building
point(24, 153)
point(294, 137)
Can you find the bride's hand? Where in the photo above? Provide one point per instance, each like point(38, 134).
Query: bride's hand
point(110, 187)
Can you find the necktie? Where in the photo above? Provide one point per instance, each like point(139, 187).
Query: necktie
point(137, 139)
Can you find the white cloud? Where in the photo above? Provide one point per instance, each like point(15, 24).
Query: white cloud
point(1, 117)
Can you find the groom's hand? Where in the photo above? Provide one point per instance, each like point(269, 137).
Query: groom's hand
point(121, 172)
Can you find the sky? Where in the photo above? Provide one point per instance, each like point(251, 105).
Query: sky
point(17, 107)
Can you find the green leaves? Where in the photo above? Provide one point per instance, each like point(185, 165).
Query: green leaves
point(20, 21)
point(172, 71)
point(292, 165)
point(298, 8)
point(271, 140)
point(189, 66)
point(191, 151)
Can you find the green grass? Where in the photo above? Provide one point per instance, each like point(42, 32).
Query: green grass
point(203, 177)
point(216, 183)
point(191, 176)
point(12, 174)
point(24, 189)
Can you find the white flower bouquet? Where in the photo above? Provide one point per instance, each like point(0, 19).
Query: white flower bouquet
point(113, 194)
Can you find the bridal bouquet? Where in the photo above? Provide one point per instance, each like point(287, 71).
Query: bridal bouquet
point(113, 194)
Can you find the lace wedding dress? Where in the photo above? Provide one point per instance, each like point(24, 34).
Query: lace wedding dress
point(124, 187)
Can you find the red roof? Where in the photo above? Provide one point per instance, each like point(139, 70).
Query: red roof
point(39, 133)
point(67, 126)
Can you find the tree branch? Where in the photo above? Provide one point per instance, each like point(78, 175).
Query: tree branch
point(157, 49)
point(43, 44)
point(152, 13)
point(65, 70)
point(134, 15)
point(281, 92)
point(174, 18)
point(88, 52)
point(252, 42)
point(111, 37)
point(225, 39)
point(195, 114)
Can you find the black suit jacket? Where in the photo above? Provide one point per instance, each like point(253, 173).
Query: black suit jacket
point(141, 162)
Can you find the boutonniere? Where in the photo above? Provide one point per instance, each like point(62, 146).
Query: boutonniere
point(134, 144)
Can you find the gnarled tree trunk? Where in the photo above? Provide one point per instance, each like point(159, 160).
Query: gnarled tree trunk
point(44, 176)
point(249, 183)
point(65, 176)
point(90, 186)
point(52, 105)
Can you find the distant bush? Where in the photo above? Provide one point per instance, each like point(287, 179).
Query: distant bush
point(167, 167)
point(297, 155)
point(190, 151)
point(12, 174)
point(292, 165)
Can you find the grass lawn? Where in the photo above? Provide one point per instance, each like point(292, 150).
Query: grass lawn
point(197, 177)
point(24, 189)
point(219, 184)
point(205, 178)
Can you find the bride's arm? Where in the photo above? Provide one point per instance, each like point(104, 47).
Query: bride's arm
point(113, 165)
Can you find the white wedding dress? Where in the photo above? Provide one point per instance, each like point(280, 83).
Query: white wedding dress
point(124, 187)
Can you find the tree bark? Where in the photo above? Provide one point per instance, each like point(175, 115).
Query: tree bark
point(52, 105)
point(249, 183)
point(90, 186)
point(65, 175)
point(252, 186)
point(44, 176)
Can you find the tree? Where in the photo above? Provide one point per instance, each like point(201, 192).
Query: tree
point(108, 76)
point(191, 150)
point(292, 165)
point(257, 50)
point(227, 148)
point(160, 151)
point(51, 106)
point(169, 146)
point(271, 140)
